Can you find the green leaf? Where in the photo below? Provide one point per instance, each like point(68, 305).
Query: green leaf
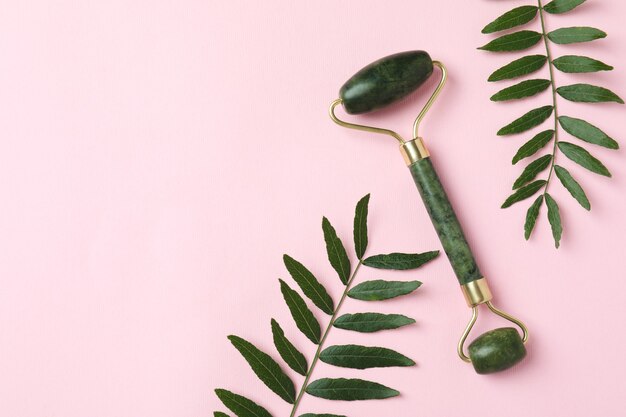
point(360, 226)
point(523, 193)
point(572, 186)
point(517, 41)
point(531, 171)
point(349, 389)
point(304, 318)
point(531, 217)
point(575, 35)
point(587, 132)
point(519, 67)
point(220, 414)
point(336, 251)
point(309, 285)
point(382, 290)
point(528, 121)
point(266, 368)
point(583, 158)
point(371, 322)
point(290, 354)
point(532, 146)
point(555, 220)
point(320, 415)
point(586, 93)
point(400, 261)
point(562, 6)
point(240, 405)
point(578, 64)
point(524, 89)
point(516, 17)
point(363, 357)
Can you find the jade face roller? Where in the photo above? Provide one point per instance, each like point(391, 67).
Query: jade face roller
point(384, 82)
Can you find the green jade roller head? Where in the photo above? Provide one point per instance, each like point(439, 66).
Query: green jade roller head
point(378, 85)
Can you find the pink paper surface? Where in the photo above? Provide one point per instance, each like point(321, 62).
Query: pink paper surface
point(158, 157)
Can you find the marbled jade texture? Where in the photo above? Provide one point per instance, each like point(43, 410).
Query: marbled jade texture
point(386, 80)
point(496, 350)
point(445, 221)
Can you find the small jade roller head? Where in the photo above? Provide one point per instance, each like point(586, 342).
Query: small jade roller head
point(496, 350)
point(385, 81)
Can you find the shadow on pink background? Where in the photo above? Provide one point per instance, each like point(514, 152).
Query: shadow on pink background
point(158, 157)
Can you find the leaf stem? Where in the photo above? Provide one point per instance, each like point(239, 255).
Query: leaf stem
point(554, 100)
point(322, 340)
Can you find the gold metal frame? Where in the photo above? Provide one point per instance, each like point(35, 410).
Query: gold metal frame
point(382, 131)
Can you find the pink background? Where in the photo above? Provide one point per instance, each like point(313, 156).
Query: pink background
point(158, 157)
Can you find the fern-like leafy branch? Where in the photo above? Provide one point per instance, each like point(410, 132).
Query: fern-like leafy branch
point(270, 371)
point(527, 183)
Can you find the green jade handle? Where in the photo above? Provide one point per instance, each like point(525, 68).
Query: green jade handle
point(445, 221)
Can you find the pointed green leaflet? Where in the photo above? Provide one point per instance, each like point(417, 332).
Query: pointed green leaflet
point(266, 368)
point(523, 193)
point(579, 64)
point(572, 186)
point(583, 158)
point(371, 322)
point(519, 67)
point(554, 218)
point(290, 354)
point(531, 217)
point(363, 357)
point(309, 285)
point(400, 261)
point(304, 318)
point(532, 146)
point(349, 389)
point(516, 17)
point(527, 121)
point(336, 251)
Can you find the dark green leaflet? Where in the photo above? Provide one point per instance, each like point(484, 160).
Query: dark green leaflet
point(586, 93)
point(400, 261)
point(532, 146)
point(304, 318)
point(532, 170)
point(360, 226)
point(382, 290)
point(240, 405)
point(555, 219)
point(266, 368)
point(524, 89)
point(363, 357)
point(336, 251)
point(531, 217)
point(516, 17)
point(220, 414)
point(523, 66)
point(562, 6)
point(575, 35)
point(578, 64)
point(572, 186)
point(349, 389)
point(371, 322)
point(320, 415)
point(586, 131)
point(528, 121)
point(290, 354)
point(513, 42)
point(523, 193)
point(309, 285)
point(583, 158)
